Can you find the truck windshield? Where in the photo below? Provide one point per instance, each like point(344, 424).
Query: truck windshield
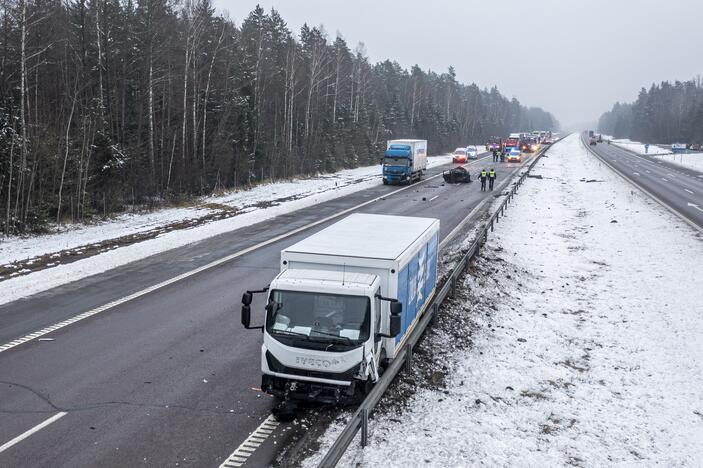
point(396, 162)
point(324, 317)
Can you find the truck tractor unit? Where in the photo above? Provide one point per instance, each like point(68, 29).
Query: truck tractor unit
point(345, 301)
point(404, 161)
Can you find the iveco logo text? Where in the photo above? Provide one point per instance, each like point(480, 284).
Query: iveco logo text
point(316, 362)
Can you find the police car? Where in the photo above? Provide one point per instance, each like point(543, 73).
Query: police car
point(513, 155)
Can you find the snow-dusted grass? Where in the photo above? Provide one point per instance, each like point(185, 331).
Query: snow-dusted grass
point(692, 160)
point(590, 343)
point(638, 147)
point(294, 195)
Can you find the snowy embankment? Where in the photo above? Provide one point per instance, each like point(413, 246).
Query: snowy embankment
point(691, 160)
point(585, 338)
point(258, 204)
point(638, 147)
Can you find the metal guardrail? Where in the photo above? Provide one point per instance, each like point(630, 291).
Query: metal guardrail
point(360, 419)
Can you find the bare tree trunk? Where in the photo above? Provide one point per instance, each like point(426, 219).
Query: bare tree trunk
point(9, 187)
point(207, 94)
point(65, 157)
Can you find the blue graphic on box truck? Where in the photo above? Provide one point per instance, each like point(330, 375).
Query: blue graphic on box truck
point(346, 299)
point(416, 283)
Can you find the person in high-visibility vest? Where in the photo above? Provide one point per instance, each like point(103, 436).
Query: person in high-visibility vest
point(483, 175)
point(491, 178)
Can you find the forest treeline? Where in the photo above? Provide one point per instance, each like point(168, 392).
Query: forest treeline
point(110, 103)
point(665, 113)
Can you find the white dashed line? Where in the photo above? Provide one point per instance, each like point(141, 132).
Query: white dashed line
point(665, 180)
point(240, 456)
point(434, 198)
point(689, 191)
point(636, 173)
point(36, 428)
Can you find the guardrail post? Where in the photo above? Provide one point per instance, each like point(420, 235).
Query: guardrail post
point(452, 291)
point(364, 427)
point(408, 357)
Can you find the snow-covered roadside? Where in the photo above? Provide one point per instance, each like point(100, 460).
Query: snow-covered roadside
point(691, 160)
point(586, 338)
point(638, 147)
point(18, 248)
point(314, 191)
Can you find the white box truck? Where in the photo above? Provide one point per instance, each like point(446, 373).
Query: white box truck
point(404, 161)
point(345, 300)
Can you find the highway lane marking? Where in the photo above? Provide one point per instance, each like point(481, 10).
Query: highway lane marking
point(434, 198)
point(33, 430)
point(689, 191)
point(647, 171)
point(664, 180)
point(636, 173)
point(240, 456)
point(695, 206)
point(213, 264)
point(672, 176)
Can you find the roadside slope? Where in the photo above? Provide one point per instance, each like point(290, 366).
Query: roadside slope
point(585, 332)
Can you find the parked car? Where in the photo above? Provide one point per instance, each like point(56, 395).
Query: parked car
point(513, 155)
point(459, 156)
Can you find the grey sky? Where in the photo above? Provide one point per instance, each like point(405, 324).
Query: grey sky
point(573, 58)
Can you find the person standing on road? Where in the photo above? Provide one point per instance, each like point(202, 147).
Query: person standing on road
point(495, 155)
point(483, 175)
point(491, 178)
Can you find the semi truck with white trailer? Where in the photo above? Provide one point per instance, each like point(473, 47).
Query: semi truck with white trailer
point(343, 304)
point(404, 161)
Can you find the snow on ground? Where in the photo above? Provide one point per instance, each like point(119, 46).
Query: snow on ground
point(587, 338)
point(18, 248)
point(691, 160)
point(638, 147)
point(292, 195)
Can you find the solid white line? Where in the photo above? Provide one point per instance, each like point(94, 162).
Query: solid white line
point(208, 266)
point(33, 430)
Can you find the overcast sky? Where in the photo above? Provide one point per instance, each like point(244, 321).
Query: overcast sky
point(572, 58)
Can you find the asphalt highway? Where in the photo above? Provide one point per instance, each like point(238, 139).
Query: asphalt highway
point(171, 377)
point(678, 188)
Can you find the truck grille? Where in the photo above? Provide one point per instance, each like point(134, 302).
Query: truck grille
point(276, 366)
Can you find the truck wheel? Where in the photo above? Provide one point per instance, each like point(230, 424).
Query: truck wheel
point(385, 182)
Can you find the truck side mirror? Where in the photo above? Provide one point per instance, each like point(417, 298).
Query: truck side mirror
point(394, 329)
point(246, 314)
point(246, 298)
point(396, 308)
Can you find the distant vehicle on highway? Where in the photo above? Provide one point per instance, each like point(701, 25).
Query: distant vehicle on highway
point(459, 156)
point(592, 140)
point(494, 143)
point(513, 155)
point(472, 152)
point(512, 142)
point(404, 161)
point(529, 145)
